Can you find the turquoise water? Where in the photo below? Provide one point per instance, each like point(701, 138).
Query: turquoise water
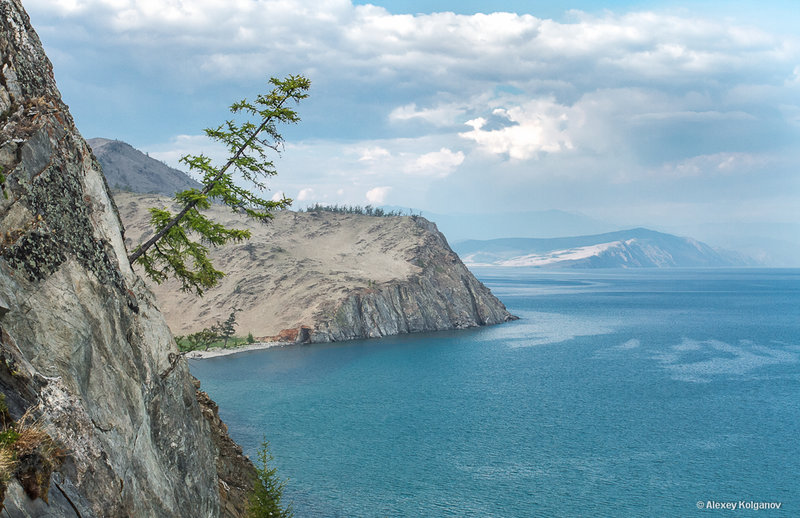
point(633, 393)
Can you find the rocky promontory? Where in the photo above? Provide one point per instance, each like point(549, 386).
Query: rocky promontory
point(325, 276)
point(439, 293)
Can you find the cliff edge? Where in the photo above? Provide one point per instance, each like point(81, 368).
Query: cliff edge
point(82, 344)
point(324, 276)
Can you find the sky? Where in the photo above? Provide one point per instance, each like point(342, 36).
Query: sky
point(674, 115)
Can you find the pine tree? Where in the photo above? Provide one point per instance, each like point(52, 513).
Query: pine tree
point(171, 251)
point(228, 328)
point(265, 501)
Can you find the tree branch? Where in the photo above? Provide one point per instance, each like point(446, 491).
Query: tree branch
point(141, 249)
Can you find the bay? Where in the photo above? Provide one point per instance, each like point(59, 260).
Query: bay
point(617, 393)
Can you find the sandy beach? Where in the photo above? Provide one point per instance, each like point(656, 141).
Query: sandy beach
point(213, 353)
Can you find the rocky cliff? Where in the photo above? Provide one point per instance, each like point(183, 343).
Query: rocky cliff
point(82, 344)
point(323, 276)
point(439, 293)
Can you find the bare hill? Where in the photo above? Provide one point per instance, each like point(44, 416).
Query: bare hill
point(339, 276)
point(128, 169)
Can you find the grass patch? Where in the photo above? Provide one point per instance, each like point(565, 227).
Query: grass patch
point(29, 454)
point(186, 345)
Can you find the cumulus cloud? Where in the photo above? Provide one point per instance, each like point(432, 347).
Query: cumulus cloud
point(244, 37)
point(622, 96)
point(377, 195)
point(440, 115)
point(538, 126)
point(373, 153)
point(715, 164)
point(435, 163)
point(393, 157)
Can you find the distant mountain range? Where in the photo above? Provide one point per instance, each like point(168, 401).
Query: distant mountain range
point(636, 248)
point(128, 169)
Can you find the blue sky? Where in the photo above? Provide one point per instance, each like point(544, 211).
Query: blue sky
point(680, 116)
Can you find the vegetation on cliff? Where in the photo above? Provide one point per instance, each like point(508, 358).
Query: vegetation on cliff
point(27, 453)
point(367, 210)
point(218, 335)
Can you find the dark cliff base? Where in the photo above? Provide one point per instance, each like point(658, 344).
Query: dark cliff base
point(235, 471)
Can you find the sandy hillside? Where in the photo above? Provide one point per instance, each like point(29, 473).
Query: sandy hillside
point(296, 266)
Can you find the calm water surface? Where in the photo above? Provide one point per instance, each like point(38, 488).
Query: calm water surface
point(629, 393)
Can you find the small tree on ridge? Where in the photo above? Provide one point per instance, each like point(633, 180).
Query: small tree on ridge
point(228, 328)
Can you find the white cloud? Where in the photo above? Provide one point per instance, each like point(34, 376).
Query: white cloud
point(538, 126)
point(305, 194)
point(441, 115)
point(715, 164)
point(243, 38)
point(435, 163)
point(611, 101)
point(373, 153)
point(377, 195)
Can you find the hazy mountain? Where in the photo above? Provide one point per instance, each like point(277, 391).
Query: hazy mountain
point(636, 248)
point(128, 169)
point(774, 244)
point(539, 224)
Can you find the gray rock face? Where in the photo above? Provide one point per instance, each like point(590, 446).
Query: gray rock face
point(443, 295)
point(81, 340)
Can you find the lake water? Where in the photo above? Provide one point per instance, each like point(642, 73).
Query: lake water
point(617, 393)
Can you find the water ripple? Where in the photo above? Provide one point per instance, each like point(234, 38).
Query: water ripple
point(698, 360)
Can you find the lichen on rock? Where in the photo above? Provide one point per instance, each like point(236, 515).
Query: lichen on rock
point(81, 340)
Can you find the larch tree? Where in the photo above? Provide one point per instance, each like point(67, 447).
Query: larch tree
point(179, 246)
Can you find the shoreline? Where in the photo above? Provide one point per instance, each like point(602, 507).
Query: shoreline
point(216, 352)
